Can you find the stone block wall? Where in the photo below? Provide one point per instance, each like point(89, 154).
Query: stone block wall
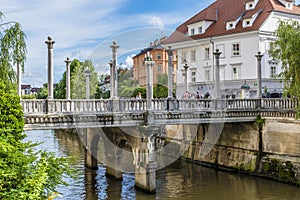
point(273, 151)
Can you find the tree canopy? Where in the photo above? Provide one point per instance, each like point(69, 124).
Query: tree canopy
point(77, 78)
point(12, 50)
point(24, 173)
point(286, 50)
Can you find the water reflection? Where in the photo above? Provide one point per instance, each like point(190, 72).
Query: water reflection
point(181, 180)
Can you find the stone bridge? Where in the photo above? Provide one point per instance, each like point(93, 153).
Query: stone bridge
point(57, 114)
point(108, 126)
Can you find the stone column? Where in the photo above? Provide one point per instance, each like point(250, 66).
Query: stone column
point(217, 82)
point(170, 73)
point(50, 43)
point(258, 56)
point(114, 72)
point(149, 64)
point(68, 88)
point(19, 77)
point(170, 100)
point(186, 77)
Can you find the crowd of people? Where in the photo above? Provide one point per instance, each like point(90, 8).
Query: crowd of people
point(188, 95)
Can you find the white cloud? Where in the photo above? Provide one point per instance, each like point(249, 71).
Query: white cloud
point(77, 28)
point(156, 22)
point(129, 61)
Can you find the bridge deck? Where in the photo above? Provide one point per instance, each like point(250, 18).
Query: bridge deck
point(53, 114)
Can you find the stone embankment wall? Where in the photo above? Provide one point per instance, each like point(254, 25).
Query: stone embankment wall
point(271, 151)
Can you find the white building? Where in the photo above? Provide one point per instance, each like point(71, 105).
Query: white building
point(239, 29)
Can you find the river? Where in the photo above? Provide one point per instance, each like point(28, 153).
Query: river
point(181, 180)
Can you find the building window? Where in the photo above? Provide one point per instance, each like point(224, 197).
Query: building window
point(192, 31)
point(158, 56)
point(193, 76)
point(273, 72)
point(235, 73)
point(207, 53)
point(207, 75)
point(193, 55)
point(236, 49)
point(200, 30)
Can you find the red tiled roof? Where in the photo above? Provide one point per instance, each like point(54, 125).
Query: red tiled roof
point(229, 10)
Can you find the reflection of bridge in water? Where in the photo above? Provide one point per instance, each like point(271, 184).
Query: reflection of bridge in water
point(125, 122)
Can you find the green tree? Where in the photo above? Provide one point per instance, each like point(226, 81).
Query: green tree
point(286, 50)
point(24, 172)
point(126, 83)
point(12, 50)
point(78, 79)
point(43, 93)
point(160, 90)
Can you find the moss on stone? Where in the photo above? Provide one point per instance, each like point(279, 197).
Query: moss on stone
point(282, 170)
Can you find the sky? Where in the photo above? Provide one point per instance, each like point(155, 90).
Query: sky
point(85, 29)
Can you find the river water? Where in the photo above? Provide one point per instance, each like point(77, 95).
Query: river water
point(181, 180)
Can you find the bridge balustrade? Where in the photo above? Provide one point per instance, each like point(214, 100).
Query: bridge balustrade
point(280, 103)
point(36, 106)
point(61, 106)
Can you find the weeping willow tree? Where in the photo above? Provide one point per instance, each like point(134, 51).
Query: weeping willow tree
point(12, 50)
point(286, 50)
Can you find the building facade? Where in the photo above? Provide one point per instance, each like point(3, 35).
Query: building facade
point(239, 29)
point(160, 57)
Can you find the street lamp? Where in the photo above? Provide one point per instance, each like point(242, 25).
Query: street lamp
point(149, 64)
point(186, 76)
point(87, 73)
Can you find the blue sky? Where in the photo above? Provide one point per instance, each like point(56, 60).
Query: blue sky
point(84, 29)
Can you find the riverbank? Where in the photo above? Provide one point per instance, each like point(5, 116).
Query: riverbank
point(269, 148)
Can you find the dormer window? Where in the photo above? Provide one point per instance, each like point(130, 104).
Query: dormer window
point(288, 3)
point(192, 31)
point(248, 20)
point(230, 25)
point(247, 23)
point(200, 29)
point(251, 4)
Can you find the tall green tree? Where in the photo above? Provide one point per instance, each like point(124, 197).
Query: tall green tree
point(12, 50)
point(286, 50)
point(24, 172)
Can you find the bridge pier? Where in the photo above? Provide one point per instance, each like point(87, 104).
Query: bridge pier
point(89, 160)
point(111, 170)
point(90, 140)
point(145, 160)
